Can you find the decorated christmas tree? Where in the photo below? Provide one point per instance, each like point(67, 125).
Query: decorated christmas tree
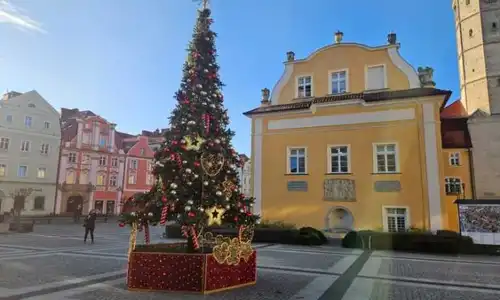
point(196, 167)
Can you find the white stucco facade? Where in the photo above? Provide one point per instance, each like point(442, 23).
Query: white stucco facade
point(30, 136)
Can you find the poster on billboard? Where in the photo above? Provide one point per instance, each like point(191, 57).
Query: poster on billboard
point(481, 222)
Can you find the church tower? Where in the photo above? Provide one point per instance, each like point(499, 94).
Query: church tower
point(477, 27)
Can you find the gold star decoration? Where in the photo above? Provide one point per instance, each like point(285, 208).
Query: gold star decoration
point(214, 215)
point(228, 187)
point(193, 144)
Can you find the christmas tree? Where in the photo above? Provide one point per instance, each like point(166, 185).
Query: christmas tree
point(196, 167)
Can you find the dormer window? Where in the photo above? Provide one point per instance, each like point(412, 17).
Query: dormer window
point(338, 82)
point(375, 77)
point(304, 86)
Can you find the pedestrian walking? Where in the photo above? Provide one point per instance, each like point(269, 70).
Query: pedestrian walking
point(89, 224)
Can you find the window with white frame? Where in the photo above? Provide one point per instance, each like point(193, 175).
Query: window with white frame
point(143, 151)
point(133, 164)
point(41, 172)
point(4, 143)
point(453, 185)
point(339, 82)
point(297, 160)
point(44, 149)
point(102, 141)
point(131, 179)
point(28, 121)
point(25, 146)
point(454, 159)
point(339, 159)
point(114, 162)
point(150, 166)
point(385, 158)
point(72, 157)
point(304, 86)
point(149, 179)
point(101, 179)
point(102, 161)
point(46, 125)
point(22, 171)
point(112, 180)
point(3, 170)
point(396, 219)
point(375, 78)
point(8, 118)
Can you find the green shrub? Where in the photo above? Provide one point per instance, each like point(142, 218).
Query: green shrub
point(314, 232)
point(275, 224)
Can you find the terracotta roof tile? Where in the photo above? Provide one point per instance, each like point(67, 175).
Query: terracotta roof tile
point(366, 96)
point(454, 110)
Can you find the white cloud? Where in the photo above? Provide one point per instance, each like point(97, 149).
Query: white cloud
point(13, 15)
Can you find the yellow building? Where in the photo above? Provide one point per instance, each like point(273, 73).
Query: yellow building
point(350, 138)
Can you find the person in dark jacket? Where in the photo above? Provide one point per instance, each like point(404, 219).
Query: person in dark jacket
point(89, 224)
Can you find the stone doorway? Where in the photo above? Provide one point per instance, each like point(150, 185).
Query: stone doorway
point(339, 219)
point(73, 203)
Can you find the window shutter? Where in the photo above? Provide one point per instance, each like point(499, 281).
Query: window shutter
point(375, 78)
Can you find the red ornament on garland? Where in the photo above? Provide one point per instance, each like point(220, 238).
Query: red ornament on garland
point(121, 225)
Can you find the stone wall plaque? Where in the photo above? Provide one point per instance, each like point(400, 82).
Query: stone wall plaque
point(387, 186)
point(297, 186)
point(339, 190)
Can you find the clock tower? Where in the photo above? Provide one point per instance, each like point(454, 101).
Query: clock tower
point(477, 27)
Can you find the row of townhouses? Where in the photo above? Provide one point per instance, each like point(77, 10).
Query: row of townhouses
point(60, 162)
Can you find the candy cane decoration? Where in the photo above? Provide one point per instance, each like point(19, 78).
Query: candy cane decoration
point(184, 230)
point(164, 210)
point(147, 237)
point(196, 244)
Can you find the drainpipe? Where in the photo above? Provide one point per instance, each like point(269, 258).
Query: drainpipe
point(58, 172)
point(472, 177)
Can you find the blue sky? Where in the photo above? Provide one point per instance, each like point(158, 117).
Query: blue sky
point(122, 59)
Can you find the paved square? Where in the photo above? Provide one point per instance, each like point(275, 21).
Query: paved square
point(53, 263)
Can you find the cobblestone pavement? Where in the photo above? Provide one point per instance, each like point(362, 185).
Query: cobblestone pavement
point(53, 263)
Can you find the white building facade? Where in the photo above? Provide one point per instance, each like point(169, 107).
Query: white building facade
point(30, 137)
point(245, 175)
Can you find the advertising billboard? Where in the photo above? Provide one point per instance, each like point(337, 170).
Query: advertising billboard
point(481, 222)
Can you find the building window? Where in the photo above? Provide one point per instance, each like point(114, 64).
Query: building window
point(101, 179)
point(86, 138)
point(150, 166)
point(454, 159)
point(494, 26)
point(22, 171)
point(3, 170)
point(46, 125)
point(385, 158)
point(39, 203)
point(28, 121)
point(133, 164)
point(150, 179)
point(41, 172)
point(8, 118)
point(102, 161)
point(339, 159)
point(25, 146)
point(112, 181)
point(102, 141)
point(375, 78)
point(142, 151)
point(339, 82)
point(296, 160)
point(396, 219)
point(70, 177)
point(4, 143)
point(72, 157)
point(131, 179)
point(467, 2)
point(471, 33)
point(304, 86)
point(114, 162)
point(44, 149)
point(453, 186)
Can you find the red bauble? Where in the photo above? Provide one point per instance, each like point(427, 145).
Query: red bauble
point(121, 225)
point(236, 219)
point(196, 164)
point(191, 214)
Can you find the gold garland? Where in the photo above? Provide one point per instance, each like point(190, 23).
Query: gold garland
point(133, 239)
point(231, 251)
point(228, 187)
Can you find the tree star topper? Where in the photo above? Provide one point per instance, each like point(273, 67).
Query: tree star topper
point(215, 215)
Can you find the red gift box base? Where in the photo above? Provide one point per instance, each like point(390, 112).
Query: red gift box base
point(187, 272)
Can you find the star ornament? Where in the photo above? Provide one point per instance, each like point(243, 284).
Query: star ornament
point(194, 144)
point(215, 215)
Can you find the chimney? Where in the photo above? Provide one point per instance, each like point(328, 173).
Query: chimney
point(9, 95)
point(265, 97)
point(392, 38)
point(290, 56)
point(338, 36)
point(426, 77)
